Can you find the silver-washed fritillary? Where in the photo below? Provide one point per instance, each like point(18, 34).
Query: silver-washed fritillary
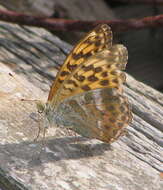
point(87, 94)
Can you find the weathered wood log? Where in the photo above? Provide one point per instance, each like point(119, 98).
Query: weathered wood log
point(134, 162)
point(144, 46)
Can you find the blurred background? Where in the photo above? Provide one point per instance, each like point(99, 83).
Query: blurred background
point(145, 46)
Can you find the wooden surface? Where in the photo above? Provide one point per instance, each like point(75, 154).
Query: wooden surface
point(145, 46)
point(134, 162)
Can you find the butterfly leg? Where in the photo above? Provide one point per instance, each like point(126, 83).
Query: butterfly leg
point(43, 139)
point(39, 129)
point(71, 133)
point(122, 133)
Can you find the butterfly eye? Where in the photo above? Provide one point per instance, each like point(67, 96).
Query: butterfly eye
point(40, 111)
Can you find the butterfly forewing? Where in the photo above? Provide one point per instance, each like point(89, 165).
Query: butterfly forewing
point(101, 70)
point(95, 41)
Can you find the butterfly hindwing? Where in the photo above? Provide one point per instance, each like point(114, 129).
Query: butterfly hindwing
point(100, 113)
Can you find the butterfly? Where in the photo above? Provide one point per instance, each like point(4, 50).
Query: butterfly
point(87, 94)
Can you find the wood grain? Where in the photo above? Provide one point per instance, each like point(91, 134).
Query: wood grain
point(68, 162)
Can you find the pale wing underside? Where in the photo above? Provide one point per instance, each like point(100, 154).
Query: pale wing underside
point(98, 39)
point(101, 70)
point(100, 113)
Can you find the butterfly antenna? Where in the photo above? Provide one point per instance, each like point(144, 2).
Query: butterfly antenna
point(27, 100)
point(22, 87)
point(11, 75)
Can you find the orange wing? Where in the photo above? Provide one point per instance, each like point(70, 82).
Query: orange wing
point(102, 70)
point(95, 41)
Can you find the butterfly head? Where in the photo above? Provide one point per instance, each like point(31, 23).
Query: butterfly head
point(40, 106)
point(46, 113)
